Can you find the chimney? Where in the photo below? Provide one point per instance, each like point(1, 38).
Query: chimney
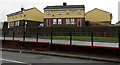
point(22, 9)
point(64, 3)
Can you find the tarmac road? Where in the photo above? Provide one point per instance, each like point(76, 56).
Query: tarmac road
point(26, 58)
point(74, 42)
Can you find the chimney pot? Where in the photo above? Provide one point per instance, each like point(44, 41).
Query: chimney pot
point(64, 3)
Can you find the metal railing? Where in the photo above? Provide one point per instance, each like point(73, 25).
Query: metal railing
point(38, 34)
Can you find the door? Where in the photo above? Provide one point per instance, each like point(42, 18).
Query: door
point(48, 22)
point(79, 22)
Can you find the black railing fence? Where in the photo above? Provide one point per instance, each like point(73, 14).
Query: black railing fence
point(79, 36)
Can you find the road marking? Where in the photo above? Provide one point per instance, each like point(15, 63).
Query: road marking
point(13, 61)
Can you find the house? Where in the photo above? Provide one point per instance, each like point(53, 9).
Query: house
point(25, 18)
point(98, 16)
point(64, 15)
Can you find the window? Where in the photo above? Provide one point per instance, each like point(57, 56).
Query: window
point(72, 21)
point(67, 21)
point(67, 12)
point(20, 15)
point(8, 17)
point(59, 12)
point(48, 12)
point(17, 23)
point(11, 23)
point(54, 21)
point(8, 25)
point(59, 21)
point(79, 12)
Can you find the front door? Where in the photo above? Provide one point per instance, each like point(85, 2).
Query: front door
point(48, 22)
point(79, 22)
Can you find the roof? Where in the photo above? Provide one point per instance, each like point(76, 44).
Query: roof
point(65, 7)
point(20, 11)
point(14, 13)
point(98, 9)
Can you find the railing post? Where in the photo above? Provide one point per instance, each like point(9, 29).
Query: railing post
point(4, 35)
point(13, 35)
point(70, 38)
point(51, 37)
point(119, 39)
point(24, 36)
point(37, 36)
point(91, 38)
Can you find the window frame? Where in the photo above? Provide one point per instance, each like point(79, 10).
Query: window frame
point(59, 21)
point(54, 21)
point(79, 11)
point(72, 21)
point(67, 12)
point(48, 12)
point(59, 12)
point(67, 21)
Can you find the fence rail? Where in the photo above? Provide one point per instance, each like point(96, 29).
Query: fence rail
point(90, 36)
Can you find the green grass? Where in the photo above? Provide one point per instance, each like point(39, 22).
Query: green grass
point(83, 37)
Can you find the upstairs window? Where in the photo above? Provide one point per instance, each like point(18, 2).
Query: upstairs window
point(20, 15)
point(59, 21)
point(9, 17)
point(79, 12)
point(54, 21)
point(67, 12)
point(48, 12)
point(59, 12)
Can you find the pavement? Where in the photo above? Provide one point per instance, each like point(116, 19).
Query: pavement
point(87, 57)
point(74, 42)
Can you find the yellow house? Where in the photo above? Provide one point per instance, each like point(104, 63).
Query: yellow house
point(29, 17)
point(98, 16)
point(64, 15)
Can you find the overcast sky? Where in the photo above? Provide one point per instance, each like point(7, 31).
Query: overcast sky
point(11, 6)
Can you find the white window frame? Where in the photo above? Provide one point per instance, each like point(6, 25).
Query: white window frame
point(59, 12)
point(54, 21)
point(67, 12)
point(59, 21)
point(48, 12)
point(16, 23)
point(8, 25)
point(72, 21)
point(67, 21)
point(79, 11)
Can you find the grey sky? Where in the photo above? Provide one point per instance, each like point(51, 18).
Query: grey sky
point(10, 6)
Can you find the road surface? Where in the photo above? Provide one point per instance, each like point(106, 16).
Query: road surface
point(16, 57)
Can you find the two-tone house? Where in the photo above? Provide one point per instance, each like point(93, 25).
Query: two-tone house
point(25, 18)
point(64, 15)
